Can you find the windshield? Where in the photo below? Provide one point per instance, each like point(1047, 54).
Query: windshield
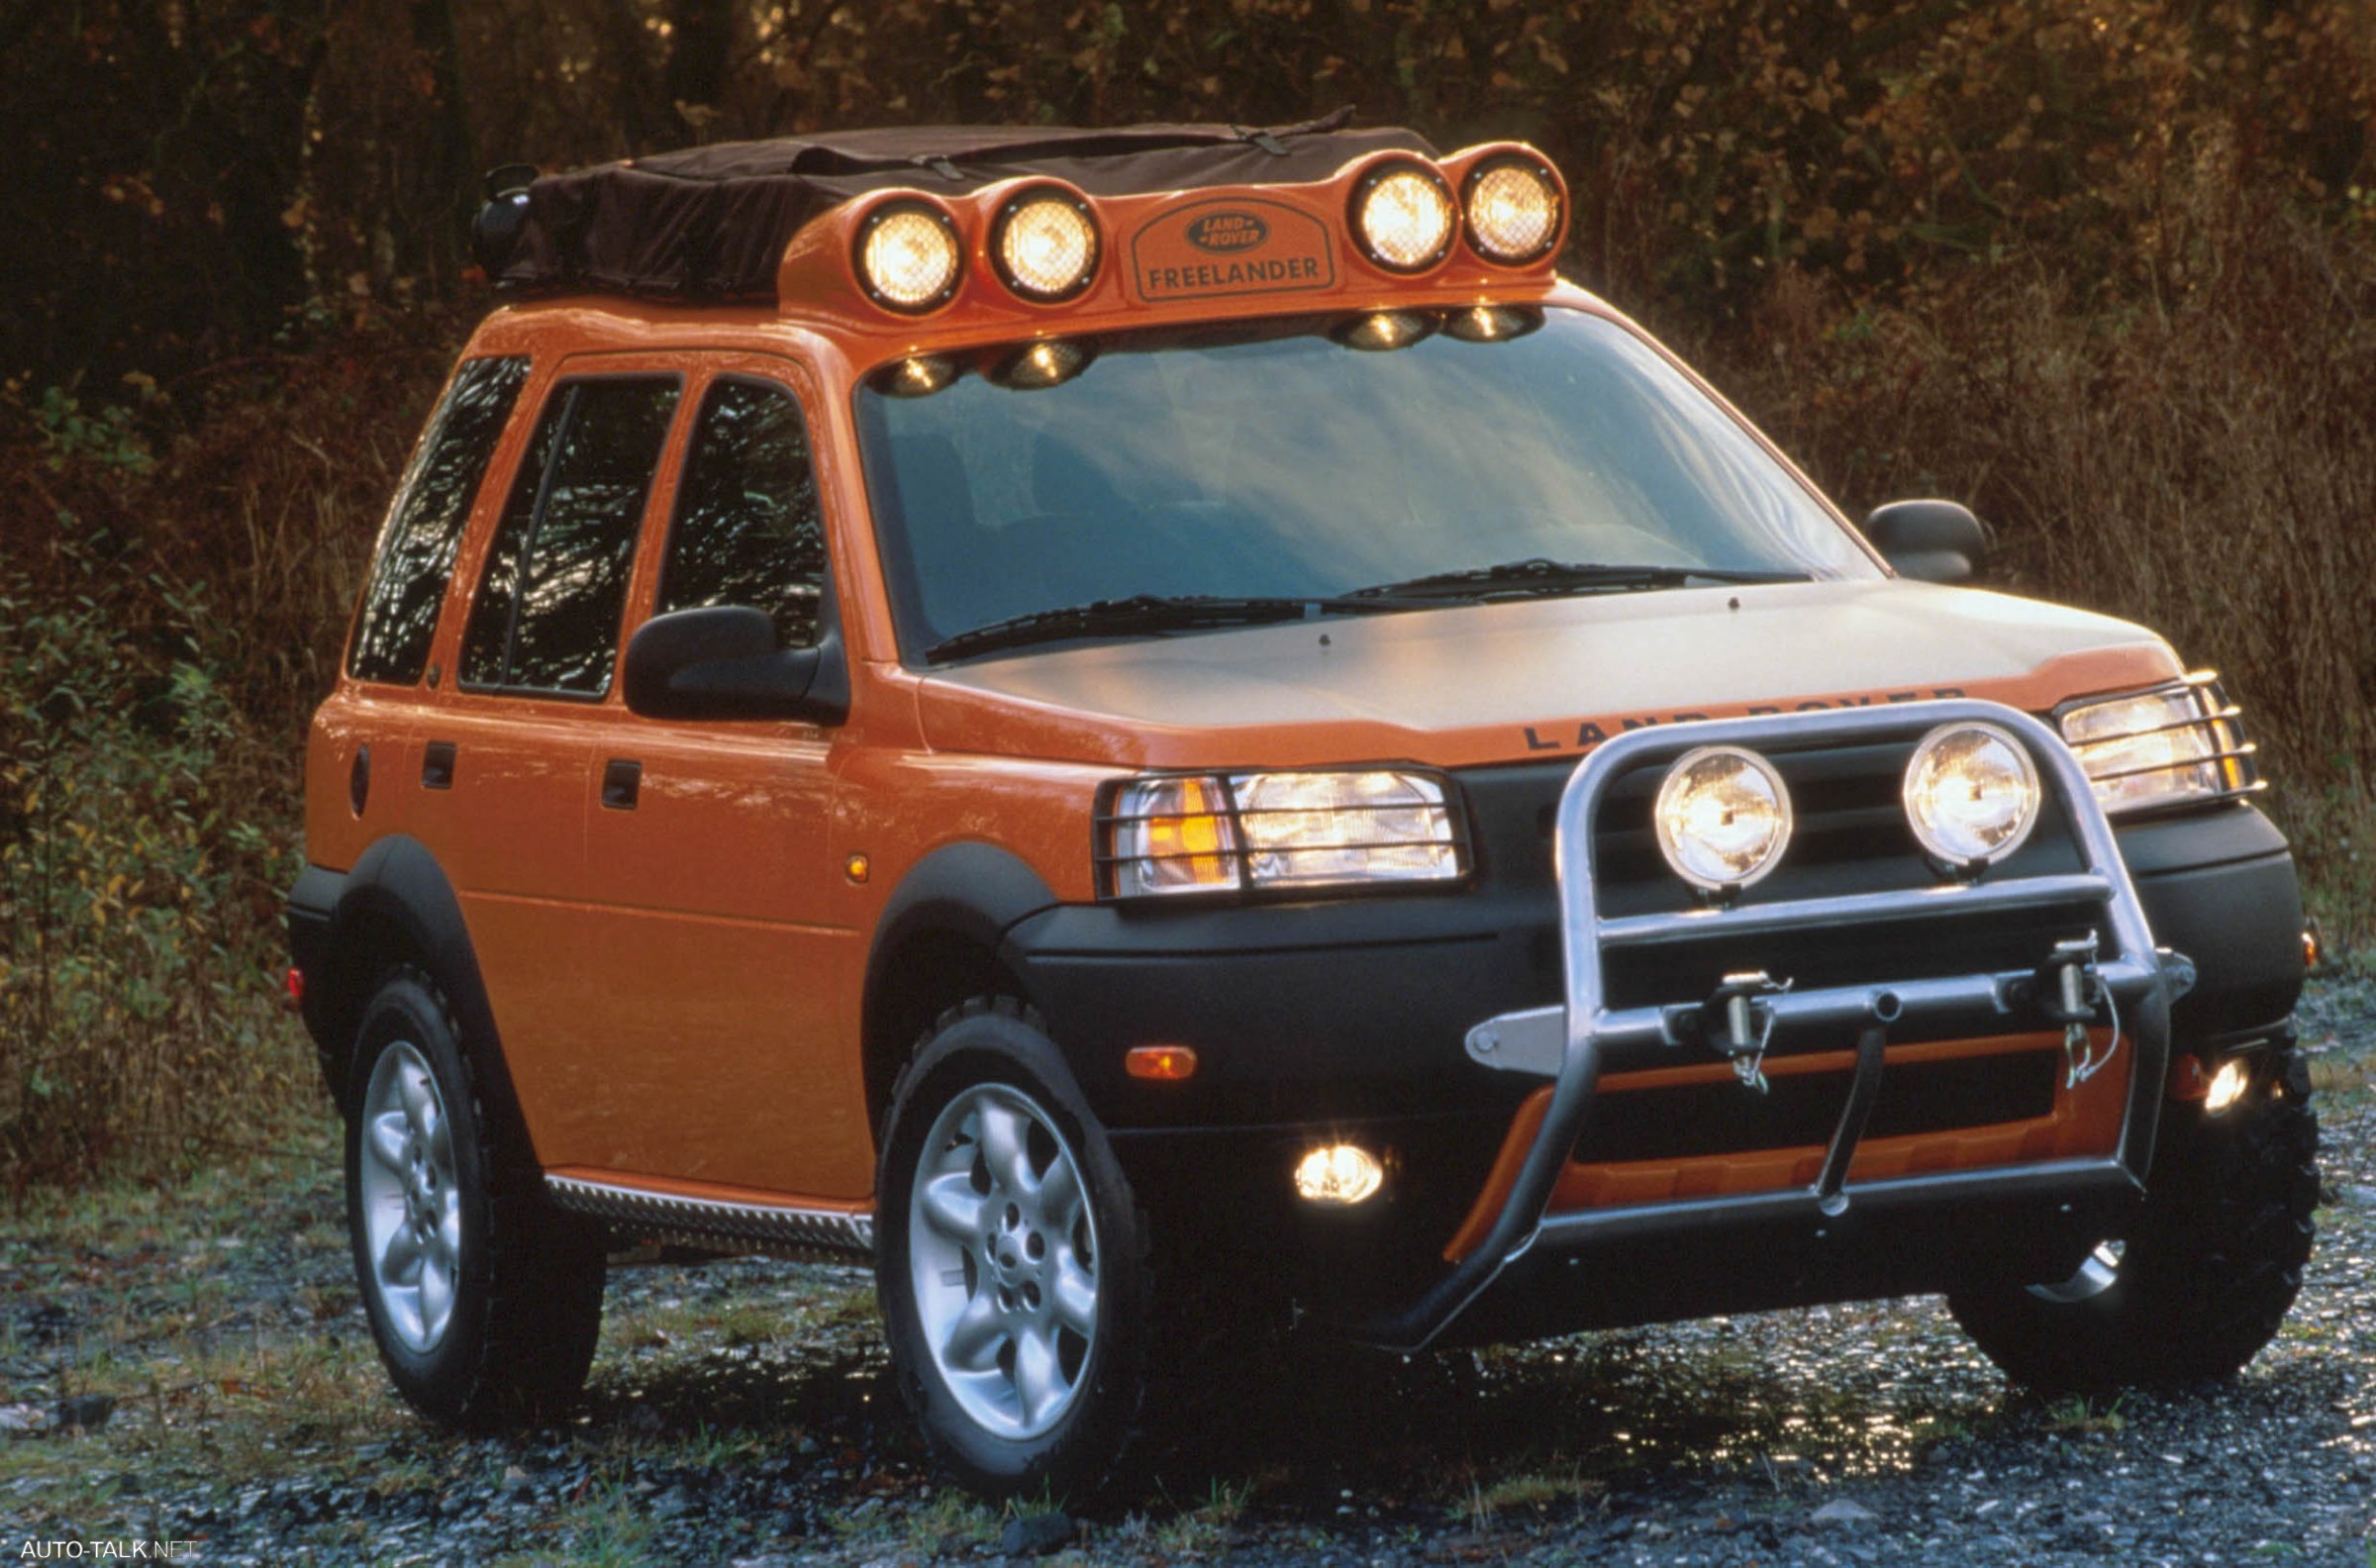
point(1278, 463)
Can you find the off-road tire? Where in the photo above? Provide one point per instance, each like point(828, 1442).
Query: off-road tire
point(526, 1300)
point(997, 1042)
point(2208, 1268)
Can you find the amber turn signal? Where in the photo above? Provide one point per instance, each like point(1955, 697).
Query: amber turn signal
point(1161, 1063)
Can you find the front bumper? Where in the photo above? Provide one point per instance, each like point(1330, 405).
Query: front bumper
point(1347, 1017)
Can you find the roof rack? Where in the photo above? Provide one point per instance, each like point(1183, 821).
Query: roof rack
point(711, 224)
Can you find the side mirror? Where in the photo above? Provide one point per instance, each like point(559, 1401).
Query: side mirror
point(1931, 540)
point(724, 663)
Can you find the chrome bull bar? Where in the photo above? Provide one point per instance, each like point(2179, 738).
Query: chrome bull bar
point(1566, 1043)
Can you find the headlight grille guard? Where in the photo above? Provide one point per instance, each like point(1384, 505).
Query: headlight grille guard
point(1566, 1043)
point(2235, 760)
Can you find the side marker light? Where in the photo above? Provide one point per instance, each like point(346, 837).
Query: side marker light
point(1161, 1063)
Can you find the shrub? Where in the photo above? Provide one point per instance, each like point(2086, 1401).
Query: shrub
point(136, 883)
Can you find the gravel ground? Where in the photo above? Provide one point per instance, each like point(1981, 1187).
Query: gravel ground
point(741, 1413)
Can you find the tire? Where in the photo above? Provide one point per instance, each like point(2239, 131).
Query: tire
point(485, 1302)
point(1010, 1260)
point(2207, 1272)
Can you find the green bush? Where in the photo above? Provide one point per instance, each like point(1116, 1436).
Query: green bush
point(138, 1011)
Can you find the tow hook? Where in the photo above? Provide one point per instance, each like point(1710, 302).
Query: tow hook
point(1738, 1024)
point(2069, 990)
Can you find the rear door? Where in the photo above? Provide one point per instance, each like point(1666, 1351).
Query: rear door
point(723, 923)
point(503, 749)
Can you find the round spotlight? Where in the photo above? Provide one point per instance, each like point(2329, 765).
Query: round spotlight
point(1405, 216)
point(1971, 794)
point(1514, 208)
point(1045, 245)
point(909, 258)
point(1722, 817)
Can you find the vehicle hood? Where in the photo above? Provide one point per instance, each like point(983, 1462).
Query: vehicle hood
point(1524, 678)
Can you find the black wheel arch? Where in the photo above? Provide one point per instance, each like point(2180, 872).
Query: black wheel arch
point(396, 907)
point(940, 940)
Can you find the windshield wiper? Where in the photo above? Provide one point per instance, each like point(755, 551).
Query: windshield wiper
point(1538, 577)
point(1145, 613)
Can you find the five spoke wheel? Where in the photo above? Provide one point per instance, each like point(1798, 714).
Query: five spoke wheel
point(1003, 1255)
point(411, 1209)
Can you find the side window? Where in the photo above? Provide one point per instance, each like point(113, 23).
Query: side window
point(748, 528)
point(547, 615)
point(416, 552)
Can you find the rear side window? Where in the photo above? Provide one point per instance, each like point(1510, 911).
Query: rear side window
point(747, 530)
point(416, 552)
point(547, 615)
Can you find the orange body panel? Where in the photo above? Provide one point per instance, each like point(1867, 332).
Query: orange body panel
point(678, 989)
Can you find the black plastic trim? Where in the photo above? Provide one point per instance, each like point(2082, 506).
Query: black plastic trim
point(395, 906)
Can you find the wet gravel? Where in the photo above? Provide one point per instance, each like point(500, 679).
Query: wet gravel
point(226, 1394)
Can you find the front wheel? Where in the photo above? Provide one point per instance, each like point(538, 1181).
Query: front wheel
point(1010, 1260)
point(2204, 1276)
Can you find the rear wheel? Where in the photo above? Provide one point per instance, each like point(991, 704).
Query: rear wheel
point(2205, 1275)
point(1010, 1260)
point(486, 1303)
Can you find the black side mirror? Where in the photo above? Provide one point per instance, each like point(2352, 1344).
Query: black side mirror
point(724, 663)
point(1931, 540)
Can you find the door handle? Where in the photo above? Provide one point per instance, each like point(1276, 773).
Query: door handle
point(621, 781)
point(437, 765)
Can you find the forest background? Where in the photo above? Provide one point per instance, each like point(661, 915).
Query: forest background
point(2105, 270)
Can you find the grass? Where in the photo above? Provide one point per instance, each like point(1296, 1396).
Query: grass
point(2082, 1416)
point(1528, 1491)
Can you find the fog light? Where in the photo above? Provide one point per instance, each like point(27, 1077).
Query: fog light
point(1340, 1174)
point(2228, 1086)
point(2313, 950)
point(1050, 362)
point(917, 375)
point(1382, 331)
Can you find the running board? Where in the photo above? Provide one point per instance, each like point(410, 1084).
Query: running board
point(709, 1221)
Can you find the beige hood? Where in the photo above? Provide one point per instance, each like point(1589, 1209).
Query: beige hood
point(1526, 678)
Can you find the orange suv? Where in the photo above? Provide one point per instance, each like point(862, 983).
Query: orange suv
point(1092, 714)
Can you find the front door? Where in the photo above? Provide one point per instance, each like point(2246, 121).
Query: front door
point(723, 923)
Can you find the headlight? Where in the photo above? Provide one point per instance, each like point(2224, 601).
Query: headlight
point(1971, 794)
point(2173, 746)
point(1722, 817)
point(1403, 216)
point(1045, 245)
point(1209, 834)
point(908, 256)
point(1513, 204)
